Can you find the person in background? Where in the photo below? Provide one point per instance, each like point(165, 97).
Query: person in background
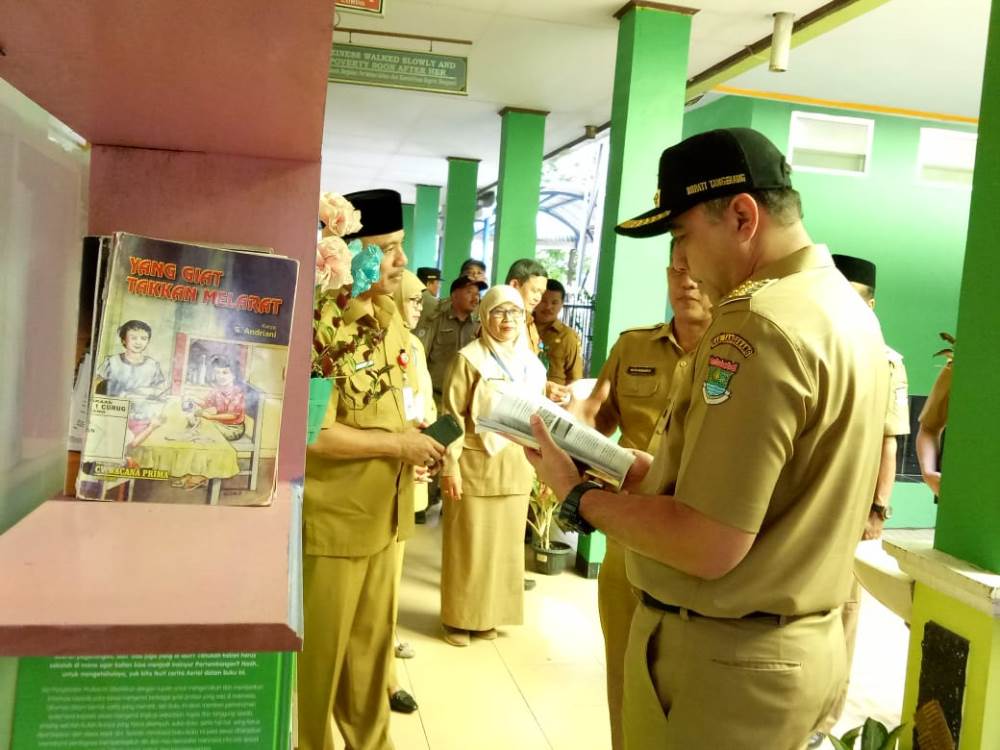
point(530, 279)
point(861, 274)
point(450, 328)
point(356, 507)
point(474, 269)
point(486, 480)
point(561, 344)
point(740, 532)
point(635, 393)
point(421, 411)
point(933, 418)
point(431, 279)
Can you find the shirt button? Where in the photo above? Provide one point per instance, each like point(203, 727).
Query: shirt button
point(684, 363)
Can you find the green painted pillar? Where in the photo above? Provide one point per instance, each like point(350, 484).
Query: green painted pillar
point(968, 522)
point(952, 590)
point(425, 226)
point(647, 115)
point(522, 141)
point(408, 235)
point(459, 215)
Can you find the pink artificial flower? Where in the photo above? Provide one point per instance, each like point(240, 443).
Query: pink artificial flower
point(333, 264)
point(338, 214)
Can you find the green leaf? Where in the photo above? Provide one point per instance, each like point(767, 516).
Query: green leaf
point(840, 744)
point(874, 735)
point(893, 738)
point(849, 737)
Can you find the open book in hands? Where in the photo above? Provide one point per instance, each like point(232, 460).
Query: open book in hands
point(510, 414)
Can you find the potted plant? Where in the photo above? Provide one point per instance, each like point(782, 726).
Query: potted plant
point(874, 735)
point(549, 556)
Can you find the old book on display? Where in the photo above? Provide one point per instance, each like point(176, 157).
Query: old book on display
point(509, 415)
point(188, 380)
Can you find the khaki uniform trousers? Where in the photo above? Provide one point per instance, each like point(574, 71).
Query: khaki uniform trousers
point(849, 618)
point(347, 650)
point(399, 553)
point(694, 682)
point(616, 603)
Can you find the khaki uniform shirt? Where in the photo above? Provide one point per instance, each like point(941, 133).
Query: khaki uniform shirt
point(780, 437)
point(563, 348)
point(442, 335)
point(640, 368)
point(533, 337)
point(935, 411)
point(897, 417)
point(505, 473)
point(356, 507)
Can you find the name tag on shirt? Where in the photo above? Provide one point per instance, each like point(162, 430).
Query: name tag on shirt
point(637, 370)
point(412, 405)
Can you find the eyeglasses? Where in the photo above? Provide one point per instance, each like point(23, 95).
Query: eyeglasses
point(508, 313)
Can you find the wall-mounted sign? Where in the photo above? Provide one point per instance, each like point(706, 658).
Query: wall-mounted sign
point(367, 7)
point(400, 69)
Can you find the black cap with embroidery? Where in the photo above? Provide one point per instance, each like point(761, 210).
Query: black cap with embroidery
point(381, 212)
point(426, 273)
point(858, 270)
point(708, 166)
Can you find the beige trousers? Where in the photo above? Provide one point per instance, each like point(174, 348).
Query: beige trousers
point(735, 684)
point(616, 603)
point(347, 650)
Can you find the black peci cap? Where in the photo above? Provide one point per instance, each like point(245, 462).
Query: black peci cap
point(463, 281)
point(708, 166)
point(381, 212)
point(858, 270)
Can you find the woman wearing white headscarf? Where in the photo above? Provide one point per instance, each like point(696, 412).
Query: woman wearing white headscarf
point(486, 480)
point(420, 402)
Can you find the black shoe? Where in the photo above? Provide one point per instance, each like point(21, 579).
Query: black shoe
point(420, 517)
point(529, 584)
point(402, 702)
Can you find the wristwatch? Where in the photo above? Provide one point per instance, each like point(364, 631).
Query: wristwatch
point(569, 510)
point(882, 511)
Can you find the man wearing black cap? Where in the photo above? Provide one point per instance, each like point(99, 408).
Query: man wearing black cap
point(358, 503)
point(861, 274)
point(431, 278)
point(450, 328)
point(740, 532)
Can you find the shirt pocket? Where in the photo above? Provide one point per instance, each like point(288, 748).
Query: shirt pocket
point(639, 386)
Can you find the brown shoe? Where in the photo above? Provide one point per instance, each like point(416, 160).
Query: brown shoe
point(456, 637)
point(486, 635)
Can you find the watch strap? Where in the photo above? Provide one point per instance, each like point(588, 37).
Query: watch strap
point(569, 510)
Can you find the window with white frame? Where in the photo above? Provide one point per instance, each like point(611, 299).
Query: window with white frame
point(946, 157)
point(826, 143)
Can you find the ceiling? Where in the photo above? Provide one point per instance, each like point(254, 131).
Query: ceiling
point(227, 76)
point(559, 56)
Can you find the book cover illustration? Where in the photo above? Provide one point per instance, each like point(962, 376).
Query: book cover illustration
point(188, 375)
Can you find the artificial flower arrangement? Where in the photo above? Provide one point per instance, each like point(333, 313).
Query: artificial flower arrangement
point(343, 271)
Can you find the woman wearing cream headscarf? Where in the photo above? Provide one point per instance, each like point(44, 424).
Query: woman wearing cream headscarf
point(486, 480)
point(420, 405)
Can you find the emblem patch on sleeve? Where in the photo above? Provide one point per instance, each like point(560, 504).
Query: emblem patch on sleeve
point(720, 373)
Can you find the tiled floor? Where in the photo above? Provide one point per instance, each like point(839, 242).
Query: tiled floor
point(541, 685)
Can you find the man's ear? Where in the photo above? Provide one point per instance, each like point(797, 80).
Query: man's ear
point(516, 283)
point(747, 214)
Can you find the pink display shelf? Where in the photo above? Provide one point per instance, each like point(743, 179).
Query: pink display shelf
point(86, 578)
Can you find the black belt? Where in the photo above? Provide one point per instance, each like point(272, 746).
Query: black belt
point(684, 612)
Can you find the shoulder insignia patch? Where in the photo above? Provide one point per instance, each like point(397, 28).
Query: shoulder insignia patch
point(720, 374)
point(746, 290)
point(735, 340)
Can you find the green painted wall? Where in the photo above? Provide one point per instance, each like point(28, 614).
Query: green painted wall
point(408, 234)
point(425, 227)
point(914, 232)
